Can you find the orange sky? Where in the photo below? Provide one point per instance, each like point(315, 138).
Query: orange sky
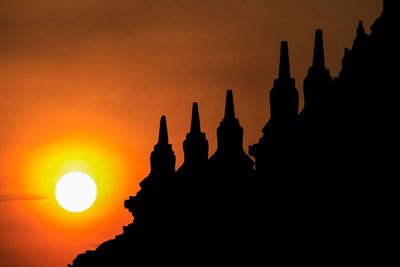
point(84, 83)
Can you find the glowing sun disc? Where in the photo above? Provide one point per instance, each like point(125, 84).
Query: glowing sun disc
point(76, 191)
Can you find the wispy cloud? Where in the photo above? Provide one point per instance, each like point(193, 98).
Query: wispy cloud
point(20, 197)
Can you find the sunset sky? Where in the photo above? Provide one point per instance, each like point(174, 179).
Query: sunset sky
point(83, 84)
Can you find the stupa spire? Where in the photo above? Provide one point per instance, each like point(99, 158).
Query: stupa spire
point(195, 146)
point(284, 95)
point(360, 29)
point(162, 159)
point(195, 124)
point(319, 57)
point(284, 67)
point(229, 106)
point(163, 133)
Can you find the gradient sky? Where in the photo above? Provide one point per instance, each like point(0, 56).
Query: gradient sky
point(83, 85)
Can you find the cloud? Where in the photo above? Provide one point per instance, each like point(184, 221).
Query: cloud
point(20, 197)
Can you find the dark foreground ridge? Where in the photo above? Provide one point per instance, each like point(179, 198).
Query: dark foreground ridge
point(316, 193)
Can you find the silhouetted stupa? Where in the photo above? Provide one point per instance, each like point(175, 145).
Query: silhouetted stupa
point(195, 147)
point(276, 145)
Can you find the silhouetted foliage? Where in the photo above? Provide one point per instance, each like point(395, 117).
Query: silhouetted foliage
point(313, 194)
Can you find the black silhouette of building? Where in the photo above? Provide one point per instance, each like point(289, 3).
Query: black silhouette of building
point(318, 87)
point(195, 147)
point(276, 147)
point(317, 193)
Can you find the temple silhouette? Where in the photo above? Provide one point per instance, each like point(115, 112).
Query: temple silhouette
point(312, 190)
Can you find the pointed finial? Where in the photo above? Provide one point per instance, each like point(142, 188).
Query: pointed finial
point(284, 68)
point(195, 125)
point(163, 134)
point(229, 107)
point(319, 57)
point(360, 29)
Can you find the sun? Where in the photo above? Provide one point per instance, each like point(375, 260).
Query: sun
point(76, 191)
